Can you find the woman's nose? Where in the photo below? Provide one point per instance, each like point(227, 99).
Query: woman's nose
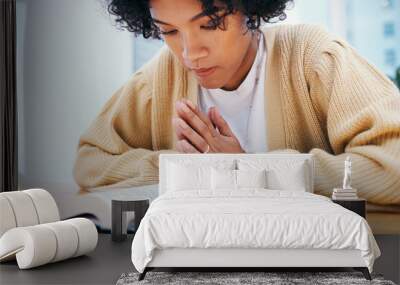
point(193, 51)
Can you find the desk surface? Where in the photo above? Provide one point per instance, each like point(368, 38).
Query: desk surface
point(102, 266)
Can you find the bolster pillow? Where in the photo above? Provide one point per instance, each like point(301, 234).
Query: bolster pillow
point(51, 242)
point(26, 208)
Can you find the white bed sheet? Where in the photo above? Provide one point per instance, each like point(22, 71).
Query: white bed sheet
point(250, 218)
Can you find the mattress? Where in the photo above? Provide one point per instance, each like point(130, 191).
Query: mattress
point(250, 218)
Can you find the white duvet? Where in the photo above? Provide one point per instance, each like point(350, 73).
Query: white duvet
point(251, 218)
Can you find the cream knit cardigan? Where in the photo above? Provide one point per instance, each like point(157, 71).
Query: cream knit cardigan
point(321, 97)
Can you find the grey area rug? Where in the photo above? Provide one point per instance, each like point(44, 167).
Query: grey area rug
point(269, 278)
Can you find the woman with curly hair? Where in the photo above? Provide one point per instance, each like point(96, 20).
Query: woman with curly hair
point(225, 84)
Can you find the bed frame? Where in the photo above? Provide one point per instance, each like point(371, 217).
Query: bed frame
point(249, 259)
point(246, 259)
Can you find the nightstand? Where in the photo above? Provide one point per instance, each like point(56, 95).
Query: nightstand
point(355, 205)
point(119, 209)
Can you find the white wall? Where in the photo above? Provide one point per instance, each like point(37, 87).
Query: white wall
point(70, 59)
point(144, 50)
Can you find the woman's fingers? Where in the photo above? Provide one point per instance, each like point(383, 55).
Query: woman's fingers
point(196, 119)
point(177, 128)
point(220, 123)
point(209, 115)
point(202, 117)
point(185, 132)
point(185, 146)
point(189, 141)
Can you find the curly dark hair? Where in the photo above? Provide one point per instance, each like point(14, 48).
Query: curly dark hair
point(134, 15)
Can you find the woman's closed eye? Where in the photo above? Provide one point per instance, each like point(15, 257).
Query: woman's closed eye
point(168, 32)
point(211, 25)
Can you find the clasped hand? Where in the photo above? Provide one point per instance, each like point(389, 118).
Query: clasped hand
point(199, 133)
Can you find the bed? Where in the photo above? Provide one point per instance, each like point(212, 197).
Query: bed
point(247, 210)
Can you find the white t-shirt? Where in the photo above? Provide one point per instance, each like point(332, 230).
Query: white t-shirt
point(243, 112)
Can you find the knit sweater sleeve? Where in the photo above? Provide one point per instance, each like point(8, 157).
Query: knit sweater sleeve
point(360, 107)
point(116, 149)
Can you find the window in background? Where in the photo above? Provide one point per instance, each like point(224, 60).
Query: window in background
point(390, 57)
point(370, 26)
point(388, 4)
point(389, 29)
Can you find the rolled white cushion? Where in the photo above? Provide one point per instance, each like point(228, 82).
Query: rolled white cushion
point(26, 208)
point(33, 246)
point(7, 218)
point(67, 240)
point(45, 205)
point(87, 234)
point(23, 208)
point(40, 244)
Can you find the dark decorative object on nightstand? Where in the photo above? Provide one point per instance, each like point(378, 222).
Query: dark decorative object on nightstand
point(356, 205)
point(119, 209)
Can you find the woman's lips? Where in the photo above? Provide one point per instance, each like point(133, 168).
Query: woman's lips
point(203, 72)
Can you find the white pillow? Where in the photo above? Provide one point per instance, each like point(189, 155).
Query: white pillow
point(228, 179)
point(183, 177)
point(193, 174)
point(223, 179)
point(293, 179)
point(282, 174)
point(251, 178)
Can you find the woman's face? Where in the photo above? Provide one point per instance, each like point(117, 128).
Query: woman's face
point(193, 39)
